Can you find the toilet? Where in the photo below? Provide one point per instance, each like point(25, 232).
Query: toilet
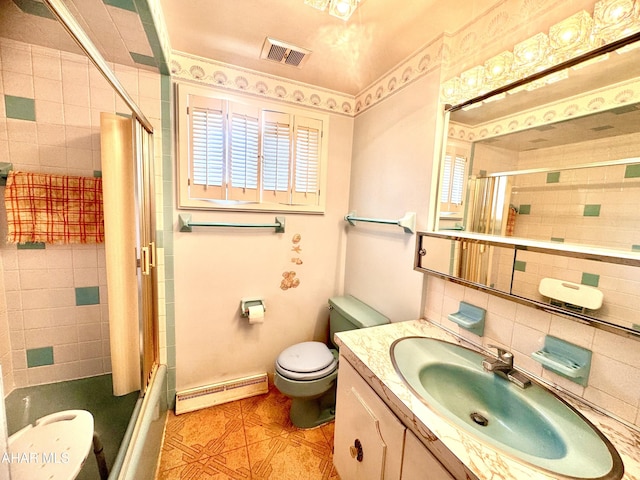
point(306, 372)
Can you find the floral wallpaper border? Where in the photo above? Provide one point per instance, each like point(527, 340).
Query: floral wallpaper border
point(190, 67)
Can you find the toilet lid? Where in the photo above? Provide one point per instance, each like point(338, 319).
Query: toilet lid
point(307, 359)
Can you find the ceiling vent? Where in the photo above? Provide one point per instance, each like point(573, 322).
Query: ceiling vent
point(281, 52)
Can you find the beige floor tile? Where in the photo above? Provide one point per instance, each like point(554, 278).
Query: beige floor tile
point(250, 439)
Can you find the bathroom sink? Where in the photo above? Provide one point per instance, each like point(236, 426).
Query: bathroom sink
point(530, 424)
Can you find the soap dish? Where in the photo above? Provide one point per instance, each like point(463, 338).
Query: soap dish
point(566, 359)
point(470, 318)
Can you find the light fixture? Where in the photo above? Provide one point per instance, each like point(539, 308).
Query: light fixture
point(615, 19)
point(612, 20)
point(319, 4)
point(571, 37)
point(338, 8)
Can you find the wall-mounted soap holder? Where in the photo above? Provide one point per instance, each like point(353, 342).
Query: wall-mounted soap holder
point(470, 318)
point(566, 359)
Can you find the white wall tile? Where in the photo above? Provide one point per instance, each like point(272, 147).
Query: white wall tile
point(40, 318)
point(62, 297)
point(572, 331)
point(616, 378)
point(610, 403)
point(47, 65)
point(84, 258)
point(18, 85)
point(66, 353)
point(20, 130)
point(89, 332)
point(61, 316)
point(24, 154)
point(46, 89)
point(16, 58)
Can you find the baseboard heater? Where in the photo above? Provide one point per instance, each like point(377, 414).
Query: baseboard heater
point(217, 393)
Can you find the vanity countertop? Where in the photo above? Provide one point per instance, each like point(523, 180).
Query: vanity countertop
point(465, 457)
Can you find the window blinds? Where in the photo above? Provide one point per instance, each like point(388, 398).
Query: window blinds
point(207, 152)
point(244, 154)
point(308, 135)
point(276, 155)
point(239, 152)
point(453, 179)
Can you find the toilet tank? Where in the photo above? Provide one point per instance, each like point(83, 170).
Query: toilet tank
point(349, 313)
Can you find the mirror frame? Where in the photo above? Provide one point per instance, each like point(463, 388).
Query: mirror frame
point(575, 251)
point(601, 255)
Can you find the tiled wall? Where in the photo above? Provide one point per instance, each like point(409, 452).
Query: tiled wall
point(614, 381)
point(593, 206)
point(50, 104)
point(589, 206)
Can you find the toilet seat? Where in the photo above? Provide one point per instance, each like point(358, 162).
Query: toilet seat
point(306, 361)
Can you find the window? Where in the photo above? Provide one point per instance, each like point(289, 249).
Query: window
point(235, 153)
point(454, 180)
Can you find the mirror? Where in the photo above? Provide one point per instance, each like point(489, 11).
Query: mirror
point(553, 162)
point(618, 285)
point(475, 262)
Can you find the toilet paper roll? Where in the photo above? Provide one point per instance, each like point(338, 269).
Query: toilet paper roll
point(256, 314)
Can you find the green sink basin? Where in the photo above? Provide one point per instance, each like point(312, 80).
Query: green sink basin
point(530, 424)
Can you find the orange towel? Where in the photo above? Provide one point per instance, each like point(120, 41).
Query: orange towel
point(53, 208)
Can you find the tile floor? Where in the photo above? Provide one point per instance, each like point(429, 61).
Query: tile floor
point(247, 439)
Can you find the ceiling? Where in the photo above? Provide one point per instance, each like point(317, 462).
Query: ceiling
point(346, 56)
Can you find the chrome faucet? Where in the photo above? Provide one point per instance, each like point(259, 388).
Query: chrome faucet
point(503, 367)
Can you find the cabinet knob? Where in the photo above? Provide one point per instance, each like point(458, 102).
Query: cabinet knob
point(356, 450)
point(422, 252)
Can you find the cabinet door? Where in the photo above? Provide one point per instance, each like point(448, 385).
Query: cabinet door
point(419, 463)
point(368, 437)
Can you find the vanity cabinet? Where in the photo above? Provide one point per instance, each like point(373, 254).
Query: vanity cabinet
point(418, 463)
point(370, 443)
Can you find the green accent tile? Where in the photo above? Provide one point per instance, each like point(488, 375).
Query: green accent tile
point(591, 211)
point(636, 327)
point(38, 357)
point(31, 246)
point(520, 266)
point(125, 115)
point(143, 59)
point(87, 296)
point(34, 7)
point(20, 108)
point(635, 248)
point(557, 239)
point(124, 4)
point(524, 209)
point(165, 87)
point(553, 177)
point(632, 171)
point(97, 174)
point(590, 279)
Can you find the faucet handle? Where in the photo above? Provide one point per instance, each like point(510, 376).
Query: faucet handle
point(503, 354)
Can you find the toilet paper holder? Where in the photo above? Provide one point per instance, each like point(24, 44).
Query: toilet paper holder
point(245, 303)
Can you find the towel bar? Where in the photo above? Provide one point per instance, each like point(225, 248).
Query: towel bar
point(185, 224)
point(408, 222)
point(5, 168)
